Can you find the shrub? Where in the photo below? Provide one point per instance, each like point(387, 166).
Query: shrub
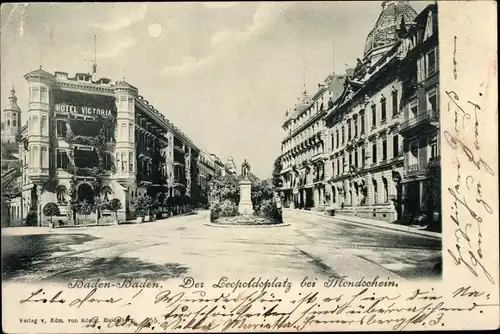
point(214, 212)
point(50, 210)
point(142, 205)
point(32, 218)
point(228, 209)
point(267, 209)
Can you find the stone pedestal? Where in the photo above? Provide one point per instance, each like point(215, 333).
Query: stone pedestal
point(245, 207)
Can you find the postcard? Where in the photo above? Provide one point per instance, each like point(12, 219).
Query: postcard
point(249, 166)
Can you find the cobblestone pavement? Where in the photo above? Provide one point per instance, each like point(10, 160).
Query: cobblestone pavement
point(177, 247)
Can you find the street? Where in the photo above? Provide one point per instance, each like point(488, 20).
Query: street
point(179, 247)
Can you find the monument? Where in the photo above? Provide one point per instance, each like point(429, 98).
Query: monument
point(245, 207)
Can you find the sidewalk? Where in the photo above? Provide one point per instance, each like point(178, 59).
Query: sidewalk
point(372, 222)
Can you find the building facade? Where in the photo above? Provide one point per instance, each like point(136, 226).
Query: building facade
point(91, 140)
point(304, 145)
point(380, 133)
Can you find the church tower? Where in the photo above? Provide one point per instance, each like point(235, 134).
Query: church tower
point(11, 119)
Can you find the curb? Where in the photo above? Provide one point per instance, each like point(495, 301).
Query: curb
point(247, 226)
point(382, 225)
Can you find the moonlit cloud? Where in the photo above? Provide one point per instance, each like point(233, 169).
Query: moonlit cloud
point(189, 65)
point(123, 20)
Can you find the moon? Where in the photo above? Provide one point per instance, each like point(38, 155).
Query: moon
point(155, 30)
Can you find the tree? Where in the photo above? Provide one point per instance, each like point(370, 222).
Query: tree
point(225, 188)
point(276, 178)
point(432, 199)
point(85, 209)
point(142, 205)
point(51, 209)
point(114, 205)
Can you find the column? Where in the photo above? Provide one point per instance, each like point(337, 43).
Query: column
point(39, 190)
point(421, 193)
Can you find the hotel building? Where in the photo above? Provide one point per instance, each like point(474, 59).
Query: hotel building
point(88, 138)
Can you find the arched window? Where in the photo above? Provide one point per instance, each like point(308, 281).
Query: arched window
point(106, 191)
point(375, 192)
point(61, 194)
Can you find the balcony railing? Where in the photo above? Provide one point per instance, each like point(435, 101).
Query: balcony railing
point(412, 169)
point(421, 119)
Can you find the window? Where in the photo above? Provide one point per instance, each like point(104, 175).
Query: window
point(350, 159)
point(35, 94)
point(61, 192)
point(338, 166)
point(337, 141)
point(413, 158)
point(130, 104)
point(45, 130)
point(431, 62)
point(123, 102)
point(124, 161)
point(363, 153)
point(117, 160)
point(356, 158)
point(375, 192)
point(362, 121)
point(343, 163)
point(386, 190)
point(349, 129)
point(355, 127)
point(374, 153)
point(394, 102)
point(14, 120)
point(61, 159)
point(333, 167)
point(432, 102)
point(332, 141)
point(35, 124)
point(61, 128)
point(44, 95)
point(342, 135)
point(413, 109)
point(383, 109)
point(130, 159)
point(130, 132)
point(123, 132)
point(374, 115)
point(395, 145)
point(45, 157)
point(384, 150)
point(434, 149)
point(8, 122)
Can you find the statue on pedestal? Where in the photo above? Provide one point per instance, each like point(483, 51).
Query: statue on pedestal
point(245, 206)
point(245, 169)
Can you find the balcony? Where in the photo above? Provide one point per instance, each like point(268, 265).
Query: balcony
point(412, 169)
point(422, 121)
point(38, 175)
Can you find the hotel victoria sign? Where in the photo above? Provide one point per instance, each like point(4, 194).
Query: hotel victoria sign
point(91, 111)
point(83, 103)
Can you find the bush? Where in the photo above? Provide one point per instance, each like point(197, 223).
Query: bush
point(32, 218)
point(228, 209)
point(268, 209)
point(214, 212)
point(50, 210)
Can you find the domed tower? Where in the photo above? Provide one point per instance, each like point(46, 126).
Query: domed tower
point(125, 95)
point(11, 119)
point(384, 33)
